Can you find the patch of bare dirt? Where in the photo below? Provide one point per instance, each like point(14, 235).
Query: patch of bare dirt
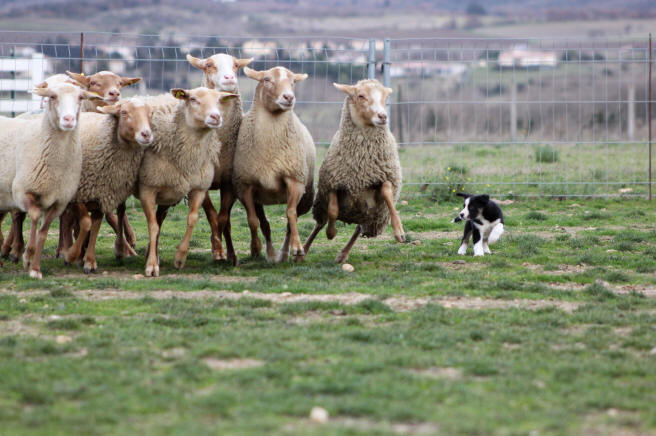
point(230, 364)
point(214, 278)
point(439, 373)
point(399, 303)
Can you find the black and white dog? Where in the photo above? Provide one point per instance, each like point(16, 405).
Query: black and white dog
point(484, 222)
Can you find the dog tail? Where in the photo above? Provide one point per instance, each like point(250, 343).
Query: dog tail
point(495, 234)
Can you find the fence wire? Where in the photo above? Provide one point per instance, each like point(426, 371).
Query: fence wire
point(512, 117)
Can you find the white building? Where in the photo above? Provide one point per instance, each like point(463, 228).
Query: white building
point(29, 68)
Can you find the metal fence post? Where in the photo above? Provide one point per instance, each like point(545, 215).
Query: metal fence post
point(386, 72)
point(371, 62)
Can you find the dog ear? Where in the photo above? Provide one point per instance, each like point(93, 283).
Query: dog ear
point(463, 195)
point(483, 199)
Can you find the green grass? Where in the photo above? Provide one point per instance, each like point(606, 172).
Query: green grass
point(577, 362)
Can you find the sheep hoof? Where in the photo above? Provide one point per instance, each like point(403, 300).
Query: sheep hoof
point(233, 259)
point(281, 257)
point(5, 255)
point(341, 258)
point(179, 260)
point(36, 274)
point(400, 237)
point(152, 271)
point(219, 257)
point(13, 258)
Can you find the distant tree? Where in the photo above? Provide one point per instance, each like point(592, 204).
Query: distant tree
point(476, 9)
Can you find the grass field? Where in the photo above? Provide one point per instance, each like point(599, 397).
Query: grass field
point(552, 334)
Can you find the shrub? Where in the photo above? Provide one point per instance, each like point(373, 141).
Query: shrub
point(546, 154)
point(450, 182)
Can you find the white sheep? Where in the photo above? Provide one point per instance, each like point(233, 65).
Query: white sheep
point(113, 146)
point(40, 163)
point(274, 160)
point(220, 72)
point(360, 177)
point(180, 163)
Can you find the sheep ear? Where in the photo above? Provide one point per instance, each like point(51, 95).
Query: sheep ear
point(91, 96)
point(197, 62)
point(300, 77)
point(42, 91)
point(180, 93)
point(462, 194)
point(389, 90)
point(226, 95)
point(346, 89)
point(110, 109)
point(241, 63)
point(252, 74)
point(483, 199)
point(125, 81)
point(79, 78)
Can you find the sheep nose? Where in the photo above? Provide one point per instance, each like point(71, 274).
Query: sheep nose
point(68, 118)
point(145, 134)
point(216, 117)
point(229, 77)
point(114, 93)
point(382, 117)
point(288, 96)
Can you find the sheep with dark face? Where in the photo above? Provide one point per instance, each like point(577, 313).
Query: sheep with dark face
point(360, 178)
point(274, 160)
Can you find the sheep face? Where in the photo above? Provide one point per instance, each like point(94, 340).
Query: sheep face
point(134, 120)
point(104, 83)
point(276, 88)
point(367, 100)
point(64, 100)
point(221, 70)
point(202, 106)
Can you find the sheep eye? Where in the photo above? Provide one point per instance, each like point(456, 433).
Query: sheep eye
point(53, 97)
point(267, 79)
point(362, 97)
point(93, 84)
point(124, 113)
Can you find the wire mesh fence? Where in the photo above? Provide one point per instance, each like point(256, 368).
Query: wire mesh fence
point(543, 117)
point(522, 116)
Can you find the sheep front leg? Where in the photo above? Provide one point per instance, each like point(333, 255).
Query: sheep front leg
point(344, 254)
point(148, 203)
point(388, 195)
point(227, 201)
point(48, 217)
point(34, 211)
point(121, 246)
point(6, 244)
point(253, 221)
point(196, 198)
point(115, 222)
point(317, 228)
point(90, 264)
point(15, 244)
point(213, 220)
point(266, 232)
point(295, 190)
point(74, 253)
point(333, 213)
point(66, 220)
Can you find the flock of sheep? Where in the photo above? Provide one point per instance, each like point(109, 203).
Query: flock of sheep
point(82, 158)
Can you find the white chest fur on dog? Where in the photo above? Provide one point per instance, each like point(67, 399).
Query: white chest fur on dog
point(484, 222)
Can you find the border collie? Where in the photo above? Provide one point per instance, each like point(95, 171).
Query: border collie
point(484, 221)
